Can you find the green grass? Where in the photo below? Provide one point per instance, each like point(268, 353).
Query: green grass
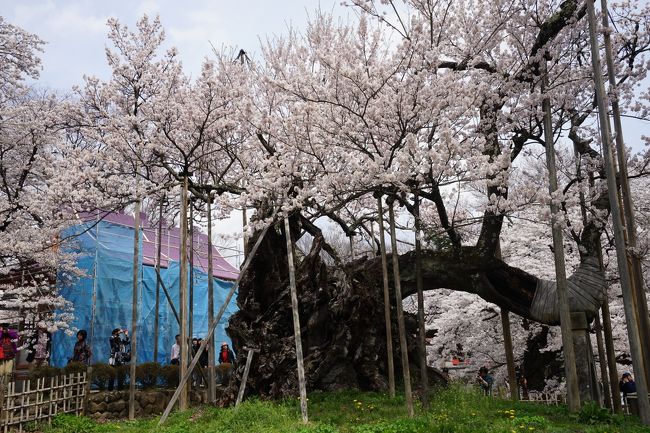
point(454, 410)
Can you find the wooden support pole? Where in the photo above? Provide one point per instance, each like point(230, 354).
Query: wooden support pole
point(629, 301)
point(212, 389)
point(156, 325)
point(422, 341)
point(573, 392)
point(408, 395)
point(634, 260)
point(244, 237)
point(222, 310)
point(510, 357)
point(134, 311)
point(387, 321)
point(296, 322)
point(602, 360)
point(190, 314)
point(244, 379)
point(507, 344)
point(611, 358)
point(93, 308)
point(183, 294)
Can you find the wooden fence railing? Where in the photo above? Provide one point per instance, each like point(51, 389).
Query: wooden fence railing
point(28, 402)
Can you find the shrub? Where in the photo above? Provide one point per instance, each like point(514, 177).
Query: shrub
point(75, 367)
point(148, 374)
point(72, 424)
point(102, 375)
point(122, 373)
point(44, 371)
point(169, 375)
point(592, 414)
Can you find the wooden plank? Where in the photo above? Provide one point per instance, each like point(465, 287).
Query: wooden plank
point(302, 386)
point(387, 321)
point(400, 313)
point(242, 387)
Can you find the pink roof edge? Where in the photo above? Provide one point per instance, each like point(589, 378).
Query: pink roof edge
point(170, 244)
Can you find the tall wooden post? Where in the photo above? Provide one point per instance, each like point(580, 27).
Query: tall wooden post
point(510, 357)
point(244, 237)
point(611, 358)
point(602, 360)
point(296, 322)
point(507, 344)
point(134, 311)
point(619, 235)
point(156, 324)
point(212, 390)
point(408, 394)
point(190, 317)
point(422, 340)
point(626, 196)
point(384, 270)
point(573, 392)
point(183, 293)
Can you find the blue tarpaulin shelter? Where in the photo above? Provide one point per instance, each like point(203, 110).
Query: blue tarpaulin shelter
point(102, 298)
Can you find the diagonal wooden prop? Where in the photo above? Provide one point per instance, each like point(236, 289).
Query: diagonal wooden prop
point(203, 345)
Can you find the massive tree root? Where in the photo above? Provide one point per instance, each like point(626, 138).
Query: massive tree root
point(341, 312)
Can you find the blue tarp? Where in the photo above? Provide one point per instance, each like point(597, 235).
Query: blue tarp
point(105, 255)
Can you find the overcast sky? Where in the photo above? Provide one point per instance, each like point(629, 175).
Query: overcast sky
point(75, 32)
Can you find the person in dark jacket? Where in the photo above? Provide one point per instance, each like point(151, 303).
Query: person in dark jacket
point(120, 355)
point(225, 354)
point(203, 359)
point(82, 352)
point(627, 385)
point(485, 380)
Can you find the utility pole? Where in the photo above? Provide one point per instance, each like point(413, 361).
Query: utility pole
point(384, 270)
point(183, 292)
point(626, 196)
point(422, 340)
point(212, 391)
point(296, 322)
point(408, 394)
point(573, 392)
point(134, 311)
point(619, 235)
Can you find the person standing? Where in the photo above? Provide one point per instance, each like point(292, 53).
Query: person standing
point(82, 352)
point(485, 380)
point(225, 354)
point(41, 347)
point(226, 358)
point(176, 351)
point(8, 349)
point(120, 355)
point(627, 384)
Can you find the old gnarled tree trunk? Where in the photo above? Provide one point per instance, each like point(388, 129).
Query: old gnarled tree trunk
point(341, 311)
